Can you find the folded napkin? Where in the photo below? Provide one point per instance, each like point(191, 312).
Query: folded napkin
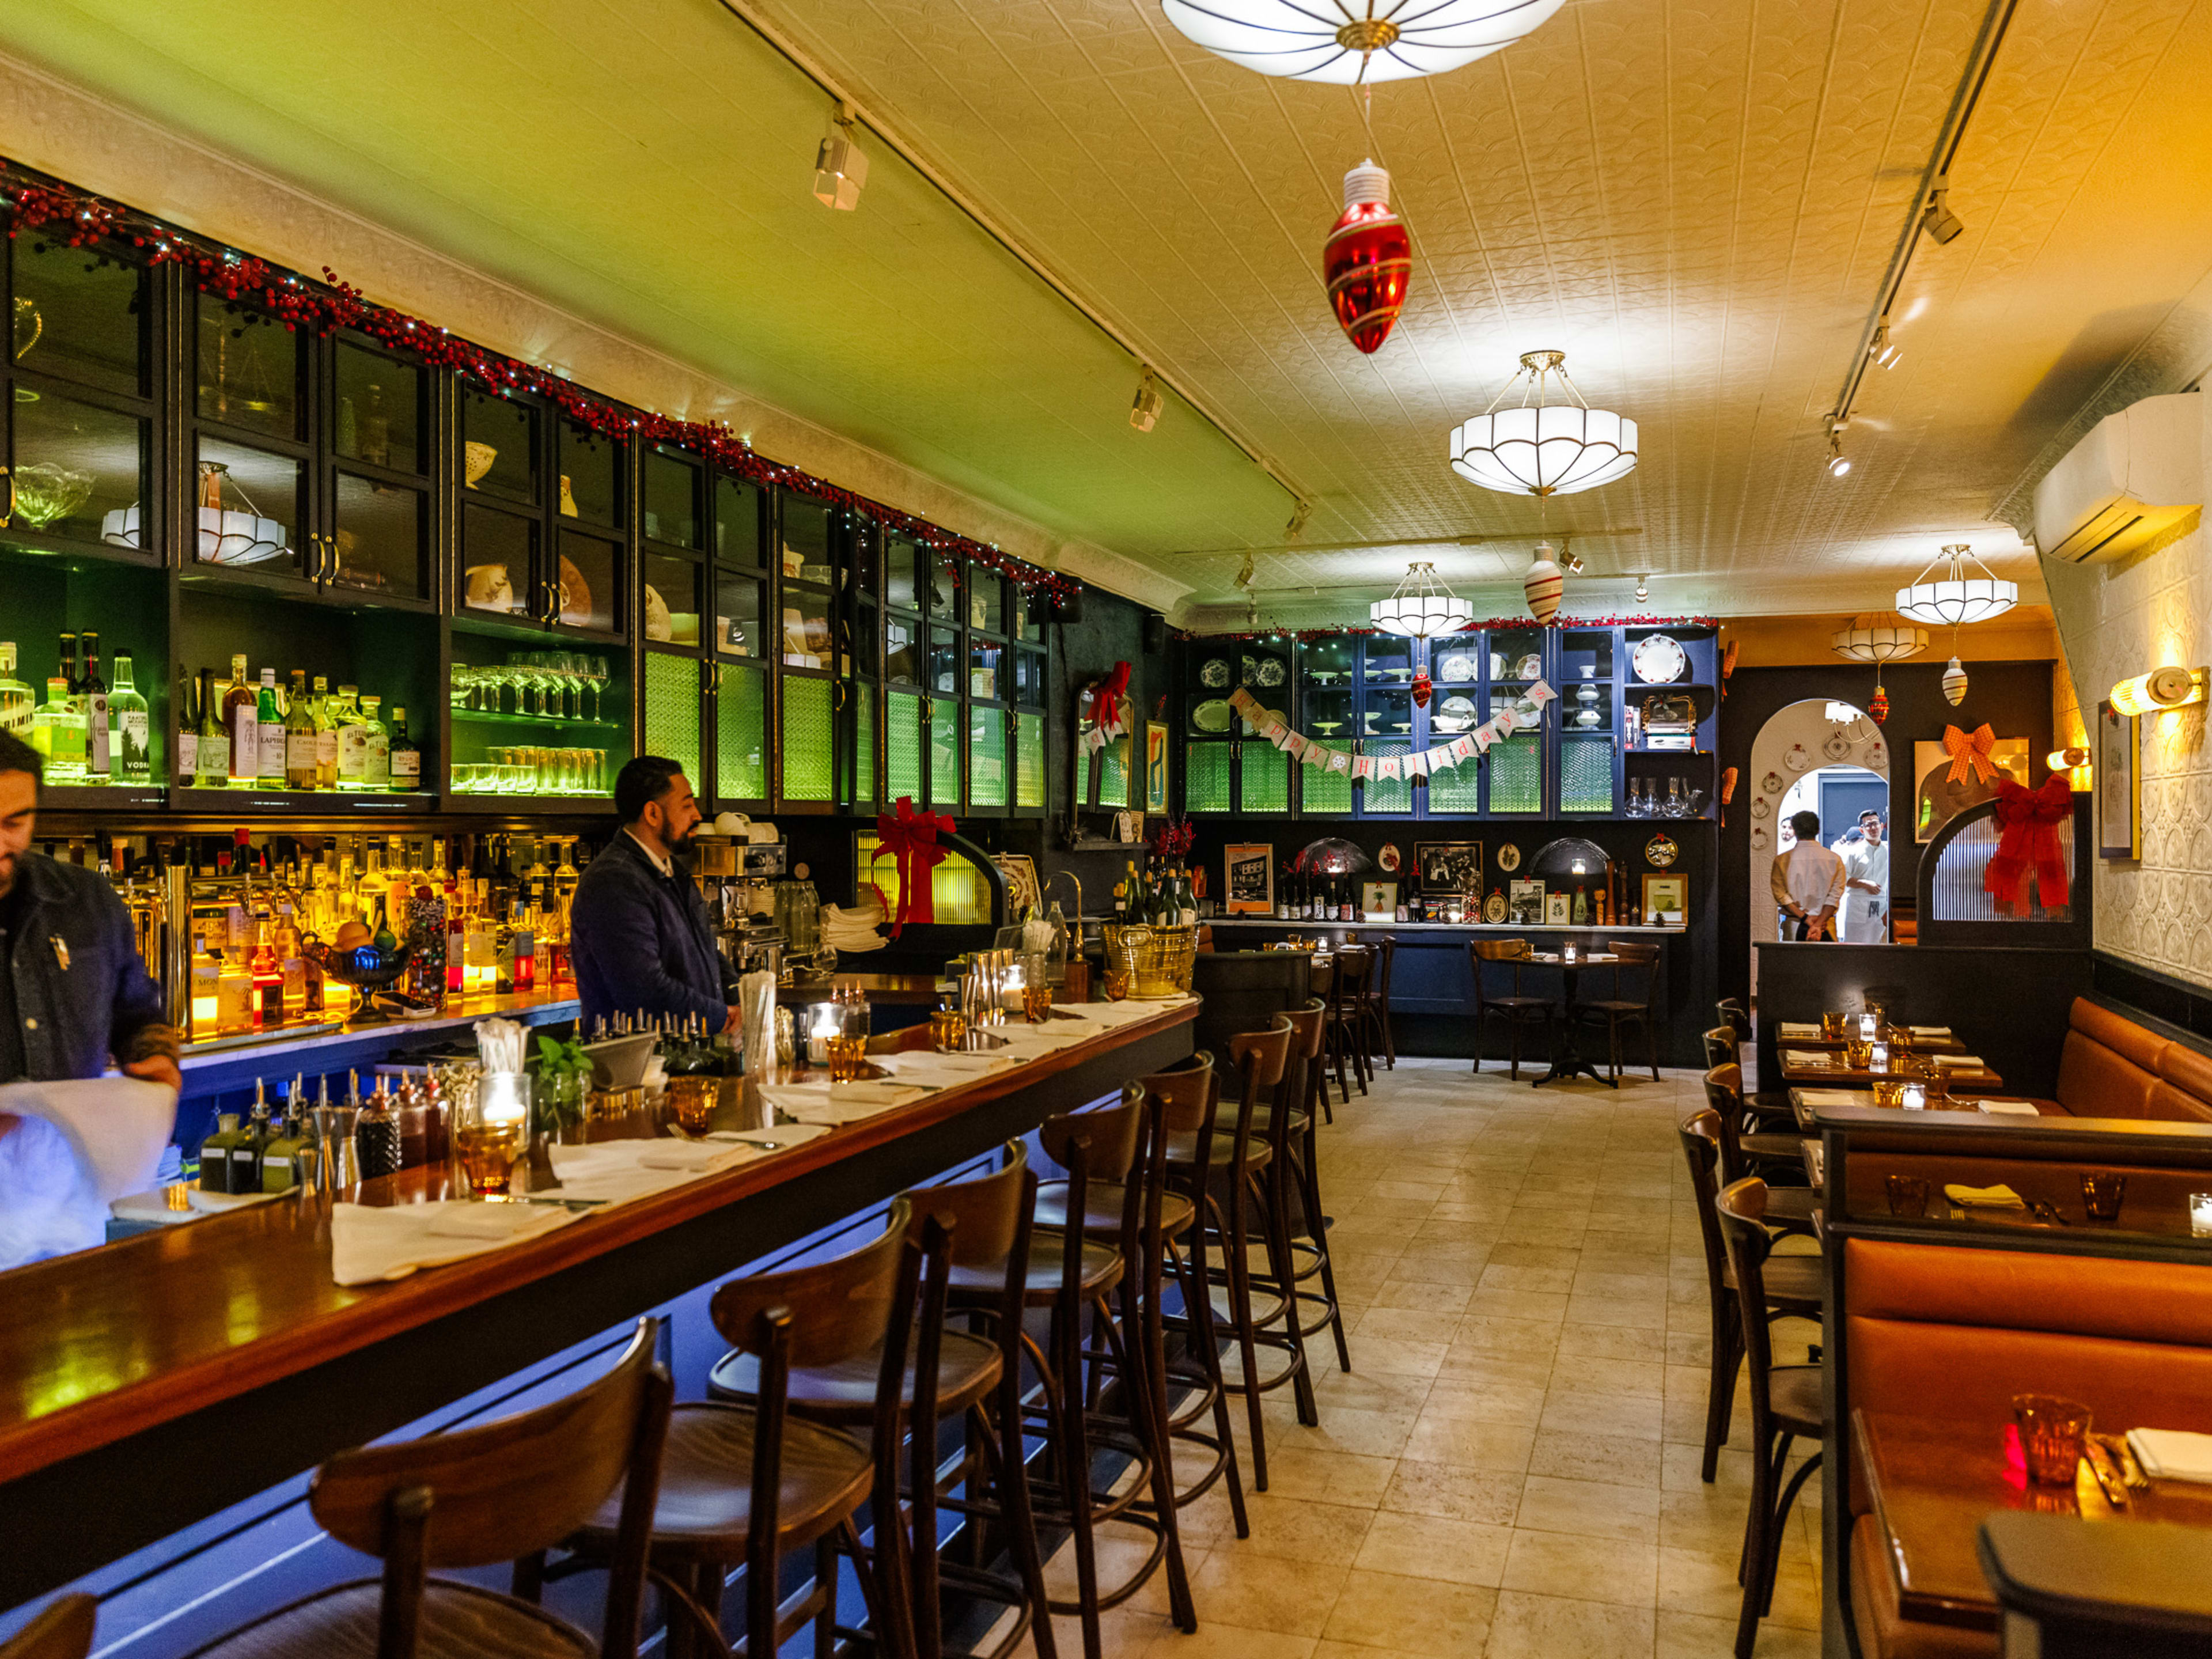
point(369, 1242)
point(1959, 1062)
point(1833, 1097)
point(935, 1071)
point(1800, 1030)
point(1986, 1198)
point(837, 1103)
point(2007, 1109)
point(774, 1140)
point(619, 1171)
point(1933, 1033)
point(1806, 1057)
point(2172, 1453)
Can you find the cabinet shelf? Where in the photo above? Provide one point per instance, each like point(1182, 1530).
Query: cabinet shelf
point(196, 798)
point(535, 722)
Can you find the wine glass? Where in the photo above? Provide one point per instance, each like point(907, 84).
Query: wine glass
point(596, 677)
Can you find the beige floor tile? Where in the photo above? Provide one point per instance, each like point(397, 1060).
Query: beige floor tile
point(1413, 1616)
point(1487, 1336)
point(1485, 1400)
point(1214, 1640)
point(1586, 1569)
point(1640, 1379)
point(1536, 1307)
point(1364, 1434)
point(1295, 1471)
point(1531, 1626)
point(1644, 1313)
point(1711, 1520)
point(1613, 1342)
point(1454, 1491)
point(1361, 1390)
point(1692, 1581)
point(1502, 1276)
point(1590, 1509)
point(1417, 1295)
point(1392, 1358)
point(1410, 1324)
point(1621, 1460)
point(1300, 1529)
point(1469, 1444)
point(1534, 1255)
point(1428, 1547)
point(1236, 1587)
point(1567, 1410)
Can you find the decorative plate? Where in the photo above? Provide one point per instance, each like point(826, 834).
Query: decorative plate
point(1663, 849)
point(1457, 669)
point(1388, 858)
point(1214, 716)
point(1250, 671)
point(1771, 783)
point(1509, 858)
point(1759, 808)
point(1758, 841)
point(1214, 674)
point(1493, 908)
point(1836, 745)
point(1658, 658)
point(1271, 671)
point(1798, 759)
point(1453, 714)
point(1530, 667)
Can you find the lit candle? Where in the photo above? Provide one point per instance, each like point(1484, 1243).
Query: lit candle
point(1568, 951)
point(1878, 1060)
point(1010, 981)
point(1915, 1098)
point(1867, 1027)
point(2200, 1214)
point(503, 1097)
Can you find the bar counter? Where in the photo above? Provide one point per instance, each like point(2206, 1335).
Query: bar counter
point(155, 1382)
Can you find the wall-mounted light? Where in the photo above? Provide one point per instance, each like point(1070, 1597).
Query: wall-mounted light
point(2159, 689)
point(841, 165)
point(1937, 219)
point(1144, 412)
point(2065, 760)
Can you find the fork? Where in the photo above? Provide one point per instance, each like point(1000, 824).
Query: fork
point(2132, 1472)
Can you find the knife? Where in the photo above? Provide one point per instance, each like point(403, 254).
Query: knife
point(2100, 1465)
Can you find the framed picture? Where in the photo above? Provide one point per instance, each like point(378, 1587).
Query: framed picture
point(1155, 768)
point(1020, 872)
point(1379, 900)
point(1558, 909)
point(2119, 784)
point(1247, 880)
point(1526, 901)
point(1448, 867)
point(1937, 800)
point(1666, 899)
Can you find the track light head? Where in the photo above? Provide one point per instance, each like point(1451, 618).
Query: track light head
point(1144, 412)
point(841, 165)
point(1839, 464)
point(1937, 219)
point(1883, 349)
point(1642, 588)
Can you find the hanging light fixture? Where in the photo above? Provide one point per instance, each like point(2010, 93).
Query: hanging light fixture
point(1544, 448)
point(1420, 607)
point(1355, 42)
point(1956, 589)
point(1878, 640)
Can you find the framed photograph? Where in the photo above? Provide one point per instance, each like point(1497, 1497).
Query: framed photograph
point(1020, 872)
point(1155, 768)
point(1525, 899)
point(1379, 900)
point(1558, 910)
point(1247, 880)
point(1666, 899)
point(1448, 867)
point(2119, 784)
point(1937, 800)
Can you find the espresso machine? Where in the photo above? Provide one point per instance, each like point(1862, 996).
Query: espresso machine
point(740, 880)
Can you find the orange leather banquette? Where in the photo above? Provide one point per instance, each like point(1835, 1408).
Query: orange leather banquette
point(2112, 1067)
point(1972, 1328)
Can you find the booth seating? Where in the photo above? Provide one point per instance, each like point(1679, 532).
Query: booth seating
point(2112, 1067)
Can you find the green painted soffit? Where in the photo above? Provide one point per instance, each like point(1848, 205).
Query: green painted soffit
point(646, 165)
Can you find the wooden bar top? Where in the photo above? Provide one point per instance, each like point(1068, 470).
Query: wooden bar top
point(904, 990)
point(101, 1345)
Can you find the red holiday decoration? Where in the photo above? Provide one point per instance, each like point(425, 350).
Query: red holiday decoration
point(911, 837)
point(2030, 818)
point(1368, 258)
point(1878, 705)
point(1422, 688)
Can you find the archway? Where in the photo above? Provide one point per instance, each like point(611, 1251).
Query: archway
point(1800, 741)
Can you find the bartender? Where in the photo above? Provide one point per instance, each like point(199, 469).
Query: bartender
point(1866, 884)
point(73, 994)
point(639, 936)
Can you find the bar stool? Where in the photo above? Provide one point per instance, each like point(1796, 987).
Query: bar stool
point(1789, 1207)
point(952, 1377)
point(1786, 1404)
point(744, 1485)
point(1354, 965)
point(1514, 1008)
point(1794, 1284)
point(504, 1491)
point(1296, 1152)
point(1617, 1010)
point(62, 1630)
point(1384, 1042)
point(1323, 977)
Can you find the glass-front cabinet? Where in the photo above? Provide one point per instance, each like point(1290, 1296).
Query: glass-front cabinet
point(543, 518)
point(1227, 766)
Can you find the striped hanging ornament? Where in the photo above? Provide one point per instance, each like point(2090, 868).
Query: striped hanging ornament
point(1368, 258)
point(1954, 683)
point(1543, 585)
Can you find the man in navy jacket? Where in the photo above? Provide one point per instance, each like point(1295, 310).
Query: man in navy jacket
point(640, 938)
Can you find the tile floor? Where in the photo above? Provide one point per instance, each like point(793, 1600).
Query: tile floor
point(1510, 1471)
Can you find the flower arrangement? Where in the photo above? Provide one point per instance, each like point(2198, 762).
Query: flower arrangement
point(1172, 838)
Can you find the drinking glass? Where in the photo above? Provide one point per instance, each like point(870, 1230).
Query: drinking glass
point(693, 1099)
point(595, 675)
point(1831, 1027)
point(2052, 1429)
point(1857, 1053)
point(1908, 1195)
point(948, 1028)
point(2101, 1192)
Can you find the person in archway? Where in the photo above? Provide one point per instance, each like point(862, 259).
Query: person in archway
point(1808, 882)
point(1866, 884)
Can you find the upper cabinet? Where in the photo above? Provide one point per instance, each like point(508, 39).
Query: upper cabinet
point(76, 420)
point(543, 517)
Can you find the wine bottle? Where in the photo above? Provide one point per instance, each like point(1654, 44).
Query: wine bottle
point(213, 763)
point(92, 698)
point(405, 758)
point(241, 725)
point(270, 734)
point(131, 733)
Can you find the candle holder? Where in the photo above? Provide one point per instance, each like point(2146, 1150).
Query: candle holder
point(493, 1133)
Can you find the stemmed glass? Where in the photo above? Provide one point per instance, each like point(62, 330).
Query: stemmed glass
point(595, 674)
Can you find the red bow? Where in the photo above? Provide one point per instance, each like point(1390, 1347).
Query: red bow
point(2030, 818)
point(1970, 749)
point(911, 837)
point(1106, 699)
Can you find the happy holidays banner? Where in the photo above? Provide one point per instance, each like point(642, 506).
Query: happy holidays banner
point(1471, 745)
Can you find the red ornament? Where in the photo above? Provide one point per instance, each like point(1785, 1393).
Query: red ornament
point(1422, 688)
point(1368, 258)
point(1878, 705)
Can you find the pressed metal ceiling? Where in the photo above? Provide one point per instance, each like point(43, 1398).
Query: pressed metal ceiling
point(1696, 202)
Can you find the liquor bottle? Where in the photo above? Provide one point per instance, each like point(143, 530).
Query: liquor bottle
point(207, 968)
point(214, 770)
point(523, 952)
point(268, 979)
point(91, 693)
point(1186, 898)
point(406, 759)
point(376, 1132)
point(234, 994)
point(300, 737)
point(326, 737)
point(65, 664)
point(129, 732)
point(376, 754)
point(188, 729)
point(414, 1124)
point(1582, 910)
point(292, 966)
point(241, 725)
point(353, 739)
point(437, 1125)
point(215, 1154)
point(281, 1152)
point(19, 704)
point(1347, 909)
point(270, 732)
point(58, 733)
point(246, 1152)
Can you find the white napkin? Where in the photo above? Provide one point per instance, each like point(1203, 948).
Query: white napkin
point(2007, 1109)
point(370, 1243)
point(774, 1140)
point(1833, 1097)
point(620, 1172)
point(840, 1103)
point(1801, 1030)
point(2172, 1453)
point(1959, 1062)
point(1933, 1033)
point(1804, 1057)
point(936, 1071)
point(153, 1206)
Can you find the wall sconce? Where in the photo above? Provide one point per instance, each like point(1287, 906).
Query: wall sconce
point(2065, 760)
point(2158, 690)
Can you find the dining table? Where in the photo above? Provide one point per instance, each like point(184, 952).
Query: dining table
point(1966, 1074)
point(1919, 1039)
point(1568, 1060)
point(1805, 1101)
point(1931, 1481)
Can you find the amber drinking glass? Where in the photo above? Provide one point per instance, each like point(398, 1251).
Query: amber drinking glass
point(948, 1028)
point(692, 1099)
point(1831, 1027)
point(487, 1152)
point(849, 1058)
point(2101, 1192)
point(1908, 1195)
point(2051, 1431)
point(1857, 1054)
point(1889, 1091)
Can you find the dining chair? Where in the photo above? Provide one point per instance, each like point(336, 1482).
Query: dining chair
point(1617, 1010)
point(1383, 1042)
point(1733, 1014)
point(1787, 1405)
point(1724, 1048)
point(1791, 1205)
point(1794, 1283)
point(1515, 1008)
point(507, 1489)
point(62, 1630)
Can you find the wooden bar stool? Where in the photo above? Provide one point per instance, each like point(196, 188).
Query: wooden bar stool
point(1352, 967)
point(504, 1491)
point(62, 1630)
point(745, 1485)
point(1515, 1008)
point(1618, 1012)
point(1294, 1150)
point(1794, 1284)
point(1382, 1043)
point(1787, 1404)
point(1323, 978)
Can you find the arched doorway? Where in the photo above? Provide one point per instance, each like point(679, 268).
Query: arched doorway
point(1807, 752)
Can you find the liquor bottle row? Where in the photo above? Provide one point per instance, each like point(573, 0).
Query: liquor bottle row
point(1163, 896)
point(85, 732)
point(237, 734)
point(275, 1151)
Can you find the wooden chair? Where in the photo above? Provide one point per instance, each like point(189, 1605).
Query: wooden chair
point(1724, 1048)
point(1353, 968)
point(1786, 1404)
point(1791, 1208)
point(1734, 1015)
point(1295, 1163)
point(1616, 1011)
point(62, 1630)
point(508, 1490)
point(744, 1485)
point(1383, 1042)
point(1514, 1008)
point(1324, 976)
point(1794, 1283)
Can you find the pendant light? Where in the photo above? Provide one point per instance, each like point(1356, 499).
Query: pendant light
point(1955, 589)
point(1420, 607)
point(1878, 640)
point(1356, 42)
point(1544, 448)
